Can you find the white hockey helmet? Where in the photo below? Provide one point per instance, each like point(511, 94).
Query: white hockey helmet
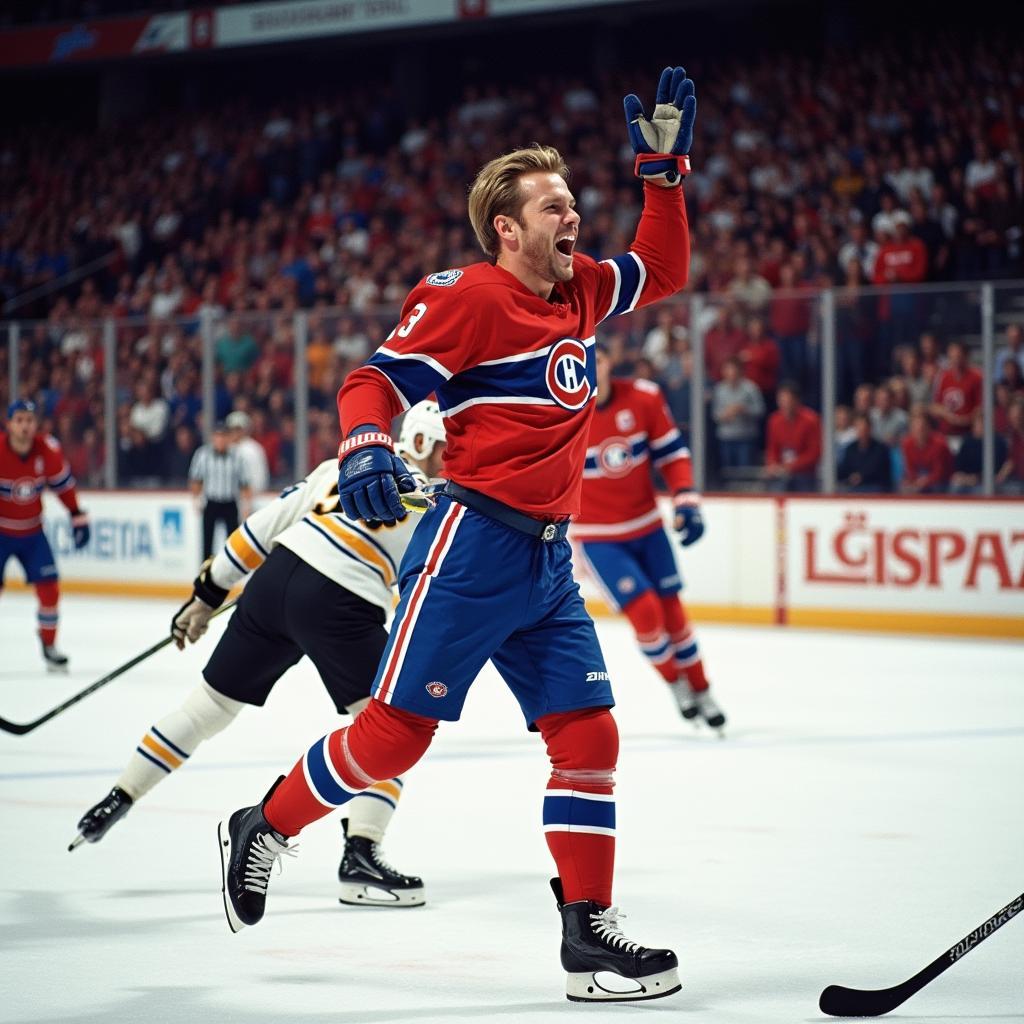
point(424, 421)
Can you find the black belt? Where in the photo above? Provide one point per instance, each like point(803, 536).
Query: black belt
point(505, 515)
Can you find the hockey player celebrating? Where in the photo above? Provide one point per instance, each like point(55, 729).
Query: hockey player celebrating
point(508, 346)
point(321, 585)
point(621, 533)
point(29, 463)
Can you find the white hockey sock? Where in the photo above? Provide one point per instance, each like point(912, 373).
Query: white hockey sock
point(370, 812)
point(170, 742)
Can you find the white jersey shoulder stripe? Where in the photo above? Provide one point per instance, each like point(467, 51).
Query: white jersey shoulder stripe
point(419, 357)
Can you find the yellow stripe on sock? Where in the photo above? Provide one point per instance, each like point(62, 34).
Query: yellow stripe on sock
point(161, 751)
point(386, 788)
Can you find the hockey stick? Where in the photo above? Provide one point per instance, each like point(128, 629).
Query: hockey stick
point(20, 728)
point(839, 1001)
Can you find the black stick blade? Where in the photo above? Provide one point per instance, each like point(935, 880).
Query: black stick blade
point(839, 1001)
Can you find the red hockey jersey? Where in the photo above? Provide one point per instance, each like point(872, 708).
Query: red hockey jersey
point(22, 479)
point(514, 374)
point(629, 433)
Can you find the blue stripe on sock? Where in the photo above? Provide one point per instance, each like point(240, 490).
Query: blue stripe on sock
point(378, 796)
point(658, 653)
point(152, 759)
point(686, 652)
point(328, 790)
point(167, 743)
point(578, 810)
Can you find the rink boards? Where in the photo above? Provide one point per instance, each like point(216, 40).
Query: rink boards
point(890, 564)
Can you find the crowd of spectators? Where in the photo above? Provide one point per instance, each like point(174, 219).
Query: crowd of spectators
point(895, 164)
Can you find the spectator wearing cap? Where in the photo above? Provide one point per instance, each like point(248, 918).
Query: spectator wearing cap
point(251, 451)
point(794, 443)
point(219, 483)
point(866, 465)
point(926, 458)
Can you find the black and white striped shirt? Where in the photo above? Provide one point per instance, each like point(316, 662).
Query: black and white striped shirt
point(222, 474)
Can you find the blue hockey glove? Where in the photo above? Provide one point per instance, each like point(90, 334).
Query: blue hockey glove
point(689, 523)
point(662, 144)
point(80, 529)
point(371, 477)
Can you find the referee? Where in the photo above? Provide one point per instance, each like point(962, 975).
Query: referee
point(218, 478)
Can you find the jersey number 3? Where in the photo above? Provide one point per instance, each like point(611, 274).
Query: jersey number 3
point(403, 329)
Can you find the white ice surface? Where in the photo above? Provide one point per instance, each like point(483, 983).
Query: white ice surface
point(864, 813)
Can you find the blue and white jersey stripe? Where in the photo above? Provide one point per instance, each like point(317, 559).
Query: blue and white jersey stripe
point(568, 810)
point(630, 277)
point(411, 373)
point(518, 379)
point(669, 447)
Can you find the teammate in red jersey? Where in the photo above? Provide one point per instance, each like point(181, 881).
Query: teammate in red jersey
point(622, 536)
point(28, 464)
point(508, 347)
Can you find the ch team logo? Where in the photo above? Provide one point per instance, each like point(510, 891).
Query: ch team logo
point(444, 278)
point(23, 490)
point(615, 457)
point(566, 374)
point(437, 689)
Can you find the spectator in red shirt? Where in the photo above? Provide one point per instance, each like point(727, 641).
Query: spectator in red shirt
point(926, 457)
point(760, 357)
point(904, 258)
point(957, 393)
point(722, 342)
point(794, 443)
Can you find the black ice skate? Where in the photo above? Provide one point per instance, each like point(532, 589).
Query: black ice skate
point(709, 710)
point(56, 661)
point(101, 817)
point(695, 706)
point(366, 879)
point(249, 849)
point(686, 699)
point(602, 964)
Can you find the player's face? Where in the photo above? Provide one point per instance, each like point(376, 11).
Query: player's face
point(21, 428)
point(434, 461)
point(550, 226)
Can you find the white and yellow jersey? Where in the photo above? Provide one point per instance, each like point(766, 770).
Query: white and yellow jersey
point(306, 518)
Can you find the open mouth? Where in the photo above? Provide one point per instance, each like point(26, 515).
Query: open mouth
point(566, 245)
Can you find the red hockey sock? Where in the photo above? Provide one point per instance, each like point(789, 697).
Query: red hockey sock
point(644, 613)
point(381, 743)
point(579, 809)
point(48, 594)
point(687, 659)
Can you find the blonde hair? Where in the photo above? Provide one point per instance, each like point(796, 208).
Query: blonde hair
point(496, 191)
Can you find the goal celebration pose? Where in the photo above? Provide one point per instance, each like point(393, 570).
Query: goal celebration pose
point(29, 463)
point(321, 586)
point(508, 347)
point(623, 539)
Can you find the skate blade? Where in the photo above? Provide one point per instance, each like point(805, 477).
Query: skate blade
point(76, 842)
point(235, 923)
point(57, 670)
point(607, 987)
point(360, 894)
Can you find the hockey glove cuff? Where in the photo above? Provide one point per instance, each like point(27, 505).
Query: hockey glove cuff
point(371, 477)
point(689, 523)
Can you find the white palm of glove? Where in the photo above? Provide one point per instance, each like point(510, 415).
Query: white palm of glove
point(191, 622)
point(662, 130)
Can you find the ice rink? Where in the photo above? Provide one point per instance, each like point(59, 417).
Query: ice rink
point(864, 813)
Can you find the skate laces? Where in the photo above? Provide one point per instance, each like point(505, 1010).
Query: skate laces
point(606, 927)
point(264, 853)
point(380, 861)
